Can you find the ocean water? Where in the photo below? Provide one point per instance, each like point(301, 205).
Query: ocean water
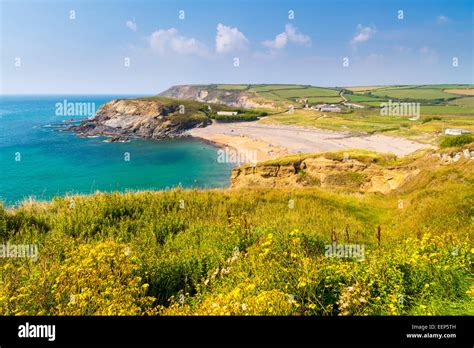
point(37, 161)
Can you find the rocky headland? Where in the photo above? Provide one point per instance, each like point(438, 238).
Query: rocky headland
point(150, 119)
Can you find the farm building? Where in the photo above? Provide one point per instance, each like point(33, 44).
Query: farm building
point(456, 131)
point(227, 113)
point(327, 107)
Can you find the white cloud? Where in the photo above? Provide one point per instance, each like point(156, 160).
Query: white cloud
point(279, 41)
point(363, 34)
point(131, 24)
point(229, 39)
point(290, 34)
point(296, 37)
point(442, 19)
point(165, 40)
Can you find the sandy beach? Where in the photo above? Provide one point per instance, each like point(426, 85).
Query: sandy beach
point(273, 141)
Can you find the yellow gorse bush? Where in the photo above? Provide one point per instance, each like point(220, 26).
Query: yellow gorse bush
point(100, 279)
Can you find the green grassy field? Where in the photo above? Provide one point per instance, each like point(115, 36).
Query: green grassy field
point(362, 89)
point(357, 121)
point(371, 121)
point(466, 102)
point(448, 110)
point(414, 93)
point(364, 98)
point(199, 110)
point(268, 88)
point(455, 110)
point(248, 251)
point(289, 94)
point(233, 87)
point(329, 100)
point(446, 86)
point(426, 94)
point(307, 92)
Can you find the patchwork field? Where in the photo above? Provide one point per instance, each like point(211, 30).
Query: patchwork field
point(439, 109)
point(294, 93)
point(413, 93)
point(232, 87)
point(466, 91)
point(441, 106)
point(362, 89)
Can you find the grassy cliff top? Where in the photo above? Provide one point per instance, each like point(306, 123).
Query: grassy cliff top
point(364, 156)
point(247, 251)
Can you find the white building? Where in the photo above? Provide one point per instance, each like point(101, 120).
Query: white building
point(227, 113)
point(456, 131)
point(328, 108)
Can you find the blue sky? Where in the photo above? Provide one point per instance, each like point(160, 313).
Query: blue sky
point(87, 54)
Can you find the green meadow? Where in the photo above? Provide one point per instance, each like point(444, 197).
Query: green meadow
point(453, 110)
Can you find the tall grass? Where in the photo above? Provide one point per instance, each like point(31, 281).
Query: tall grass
point(247, 251)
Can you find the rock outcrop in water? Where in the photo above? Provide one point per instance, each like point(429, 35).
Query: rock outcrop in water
point(151, 119)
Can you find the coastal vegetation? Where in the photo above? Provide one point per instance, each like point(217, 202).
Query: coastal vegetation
point(455, 141)
point(269, 244)
point(251, 251)
point(189, 108)
point(369, 120)
point(242, 115)
point(436, 103)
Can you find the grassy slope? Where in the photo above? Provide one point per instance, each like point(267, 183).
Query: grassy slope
point(364, 156)
point(199, 110)
point(454, 110)
point(413, 93)
point(247, 251)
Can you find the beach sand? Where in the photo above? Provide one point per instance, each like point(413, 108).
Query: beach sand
point(258, 150)
point(273, 141)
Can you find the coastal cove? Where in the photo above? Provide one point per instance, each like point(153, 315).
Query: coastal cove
point(38, 161)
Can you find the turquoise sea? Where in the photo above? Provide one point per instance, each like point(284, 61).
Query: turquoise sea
point(37, 161)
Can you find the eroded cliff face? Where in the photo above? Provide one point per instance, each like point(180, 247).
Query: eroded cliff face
point(236, 98)
point(136, 117)
point(382, 173)
point(323, 172)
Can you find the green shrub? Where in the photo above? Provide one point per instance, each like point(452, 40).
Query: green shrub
point(429, 119)
point(456, 140)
